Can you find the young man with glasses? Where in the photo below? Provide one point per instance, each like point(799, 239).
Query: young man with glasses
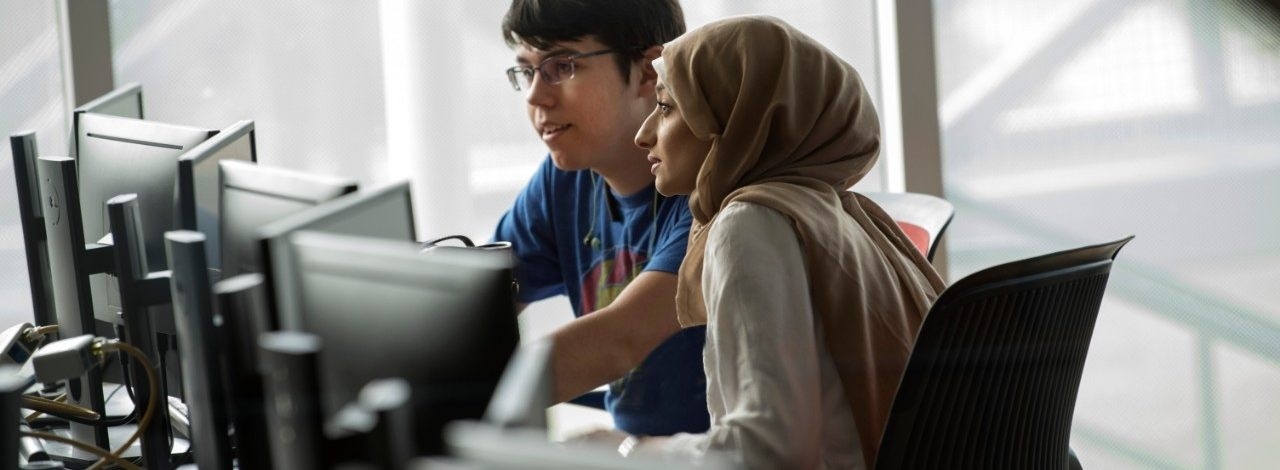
point(590, 224)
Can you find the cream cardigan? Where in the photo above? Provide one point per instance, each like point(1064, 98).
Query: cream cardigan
point(773, 392)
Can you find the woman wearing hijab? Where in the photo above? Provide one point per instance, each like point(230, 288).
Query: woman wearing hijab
point(811, 295)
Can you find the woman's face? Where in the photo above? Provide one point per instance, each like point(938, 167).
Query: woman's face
point(675, 153)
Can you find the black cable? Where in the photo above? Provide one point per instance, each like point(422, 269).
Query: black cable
point(461, 238)
point(126, 419)
point(128, 382)
point(162, 345)
point(124, 369)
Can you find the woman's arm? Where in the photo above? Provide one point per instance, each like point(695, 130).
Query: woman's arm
point(763, 354)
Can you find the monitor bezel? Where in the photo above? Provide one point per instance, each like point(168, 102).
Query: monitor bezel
point(185, 191)
point(478, 280)
point(277, 254)
point(277, 183)
point(100, 104)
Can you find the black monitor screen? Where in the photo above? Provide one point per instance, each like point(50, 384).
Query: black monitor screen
point(252, 196)
point(444, 321)
point(385, 213)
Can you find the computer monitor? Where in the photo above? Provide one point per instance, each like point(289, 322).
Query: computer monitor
point(444, 321)
point(290, 365)
point(33, 237)
point(141, 291)
point(385, 212)
point(251, 196)
point(242, 307)
point(198, 190)
point(202, 351)
point(125, 101)
point(129, 156)
point(70, 265)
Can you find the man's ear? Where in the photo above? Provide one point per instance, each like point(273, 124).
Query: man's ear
point(649, 76)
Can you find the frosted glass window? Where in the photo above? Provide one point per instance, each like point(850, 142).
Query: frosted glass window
point(1156, 118)
point(309, 74)
point(30, 99)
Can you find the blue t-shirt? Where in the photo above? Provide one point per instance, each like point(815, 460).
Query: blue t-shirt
point(553, 228)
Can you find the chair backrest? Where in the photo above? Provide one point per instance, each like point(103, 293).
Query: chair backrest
point(921, 216)
point(994, 373)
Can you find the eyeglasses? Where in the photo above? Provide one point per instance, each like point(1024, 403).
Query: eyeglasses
point(553, 70)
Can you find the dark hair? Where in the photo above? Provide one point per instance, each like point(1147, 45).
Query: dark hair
point(627, 25)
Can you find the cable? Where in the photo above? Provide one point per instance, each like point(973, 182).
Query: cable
point(162, 344)
point(58, 408)
point(462, 238)
point(127, 384)
point(61, 397)
point(153, 385)
point(44, 330)
point(77, 417)
point(591, 240)
point(38, 334)
point(133, 411)
point(123, 463)
point(125, 377)
point(124, 370)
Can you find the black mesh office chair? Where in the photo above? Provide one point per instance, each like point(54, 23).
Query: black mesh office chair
point(994, 373)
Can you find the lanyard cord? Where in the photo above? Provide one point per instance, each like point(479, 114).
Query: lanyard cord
point(591, 240)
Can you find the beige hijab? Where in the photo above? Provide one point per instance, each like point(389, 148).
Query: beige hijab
point(791, 127)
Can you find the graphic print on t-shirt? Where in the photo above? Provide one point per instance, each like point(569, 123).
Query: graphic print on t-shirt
point(600, 287)
point(607, 278)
